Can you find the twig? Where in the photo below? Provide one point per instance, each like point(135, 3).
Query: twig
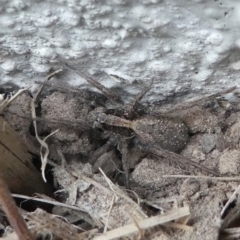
point(13, 215)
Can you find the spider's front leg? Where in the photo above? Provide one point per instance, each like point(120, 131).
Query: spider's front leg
point(129, 110)
point(112, 120)
point(109, 94)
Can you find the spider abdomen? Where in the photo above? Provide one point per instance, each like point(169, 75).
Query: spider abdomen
point(168, 133)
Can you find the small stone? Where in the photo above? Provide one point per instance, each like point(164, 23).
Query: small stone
point(148, 173)
point(208, 142)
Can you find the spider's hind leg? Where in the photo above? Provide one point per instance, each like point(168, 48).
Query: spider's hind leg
point(123, 148)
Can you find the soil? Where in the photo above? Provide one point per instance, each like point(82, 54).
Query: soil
point(214, 138)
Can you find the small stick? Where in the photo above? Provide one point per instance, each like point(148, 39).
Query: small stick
point(203, 177)
point(13, 215)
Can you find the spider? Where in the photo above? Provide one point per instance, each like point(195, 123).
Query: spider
point(161, 135)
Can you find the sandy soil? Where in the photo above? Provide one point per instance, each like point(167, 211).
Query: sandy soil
point(214, 134)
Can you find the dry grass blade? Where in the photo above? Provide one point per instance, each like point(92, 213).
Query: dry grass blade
point(116, 190)
point(44, 150)
point(203, 177)
point(44, 154)
point(145, 224)
point(109, 212)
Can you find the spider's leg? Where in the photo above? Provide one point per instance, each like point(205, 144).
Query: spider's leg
point(60, 87)
point(83, 94)
point(201, 101)
point(178, 159)
point(110, 95)
point(123, 148)
point(112, 120)
point(132, 106)
point(100, 151)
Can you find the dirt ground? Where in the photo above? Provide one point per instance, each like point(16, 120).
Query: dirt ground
point(158, 184)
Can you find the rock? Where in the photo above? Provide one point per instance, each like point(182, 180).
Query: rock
point(229, 161)
point(208, 142)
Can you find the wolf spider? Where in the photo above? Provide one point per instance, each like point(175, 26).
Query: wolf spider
point(162, 136)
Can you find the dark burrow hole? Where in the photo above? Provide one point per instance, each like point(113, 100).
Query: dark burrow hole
point(38, 114)
point(150, 209)
point(44, 132)
point(30, 205)
point(235, 223)
point(48, 172)
point(231, 206)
